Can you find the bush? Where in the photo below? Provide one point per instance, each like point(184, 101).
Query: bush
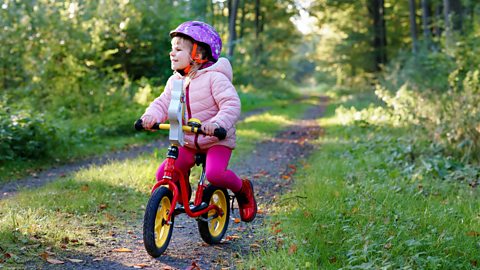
point(24, 135)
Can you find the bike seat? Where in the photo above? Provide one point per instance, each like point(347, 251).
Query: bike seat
point(200, 158)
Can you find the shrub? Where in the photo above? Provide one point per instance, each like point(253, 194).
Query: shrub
point(24, 135)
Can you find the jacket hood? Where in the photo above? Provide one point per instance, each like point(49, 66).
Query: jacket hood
point(222, 65)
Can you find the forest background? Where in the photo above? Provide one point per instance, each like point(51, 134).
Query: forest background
point(77, 73)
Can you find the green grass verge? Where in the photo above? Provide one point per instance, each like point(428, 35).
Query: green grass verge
point(353, 208)
point(81, 212)
point(96, 135)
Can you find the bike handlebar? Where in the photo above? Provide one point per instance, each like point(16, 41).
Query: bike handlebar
point(220, 132)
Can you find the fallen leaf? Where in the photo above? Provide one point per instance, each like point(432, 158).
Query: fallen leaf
point(237, 220)
point(286, 177)
point(44, 255)
point(122, 250)
point(90, 244)
point(97, 259)
point(307, 214)
point(54, 261)
point(232, 237)
point(85, 188)
point(65, 240)
point(255, 246)
point(140, 265)
point(102, 206)
point(293, 249)
point(279, 241)
point(388, 245)
point(473, 233)
point(75, 260)
point(194, 266)
point(110, 217)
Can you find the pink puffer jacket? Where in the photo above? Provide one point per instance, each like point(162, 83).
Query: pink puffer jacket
point(210, 97)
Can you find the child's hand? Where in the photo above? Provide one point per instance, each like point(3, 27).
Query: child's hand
point(209, 128)
point(148, 121)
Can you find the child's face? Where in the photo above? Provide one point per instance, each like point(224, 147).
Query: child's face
point(180, 54)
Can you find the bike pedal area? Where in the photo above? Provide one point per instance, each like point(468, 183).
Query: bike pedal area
point(180, 209)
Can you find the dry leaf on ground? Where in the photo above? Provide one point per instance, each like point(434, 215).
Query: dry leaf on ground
point(122, 250)
point(54, 261)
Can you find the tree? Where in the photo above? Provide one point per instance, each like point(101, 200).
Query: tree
point(232, 26)
point(426, 22)
point(376, 9)
point(413, 25)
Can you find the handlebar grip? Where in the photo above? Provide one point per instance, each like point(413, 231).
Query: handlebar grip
point(220, 133)
point(139, 125)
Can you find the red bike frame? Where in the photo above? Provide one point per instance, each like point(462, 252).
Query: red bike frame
point(168, 179)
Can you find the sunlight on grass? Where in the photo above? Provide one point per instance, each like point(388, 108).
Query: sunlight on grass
point(93, 203)
point(250, 134)
point(269, 118)
point(352, 208)
point(98, 198)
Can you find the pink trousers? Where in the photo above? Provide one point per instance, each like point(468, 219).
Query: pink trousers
point(216, 170)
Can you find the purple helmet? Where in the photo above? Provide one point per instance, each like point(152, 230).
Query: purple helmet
point(203, 33)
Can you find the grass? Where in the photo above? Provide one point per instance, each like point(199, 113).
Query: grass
point(100, 134)
point(353, 207)
point(80, 212)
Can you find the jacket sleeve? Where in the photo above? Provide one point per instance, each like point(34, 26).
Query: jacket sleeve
point(228, 102)
point(159, 107)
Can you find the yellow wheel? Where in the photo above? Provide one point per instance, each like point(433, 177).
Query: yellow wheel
point(212, 226)
point(156, 231)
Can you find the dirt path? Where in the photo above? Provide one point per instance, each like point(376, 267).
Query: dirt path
point(43, 177)
point(270, 167)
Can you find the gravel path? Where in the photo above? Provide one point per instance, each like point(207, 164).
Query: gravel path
point(41, 178)
point(269, 167)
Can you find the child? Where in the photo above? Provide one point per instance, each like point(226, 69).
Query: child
point(211, 97)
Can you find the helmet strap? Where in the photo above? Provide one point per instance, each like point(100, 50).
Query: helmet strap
point(195, 59)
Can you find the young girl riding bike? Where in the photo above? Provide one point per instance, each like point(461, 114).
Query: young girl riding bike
point(210, 97)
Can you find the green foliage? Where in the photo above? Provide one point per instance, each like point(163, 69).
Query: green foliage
point(445, 107)
point(361, 202)
point(96, 202)
point(24, 134)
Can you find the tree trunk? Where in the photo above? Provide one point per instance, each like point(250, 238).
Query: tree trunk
point(447, 11)
point(258, 47)
point(413, 25)
point(426, 21)
point(242, 20)
point(438, 18)
point(377, 12)
point(456, 9)
point(232, 23)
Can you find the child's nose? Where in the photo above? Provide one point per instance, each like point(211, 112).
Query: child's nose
point(171, 53)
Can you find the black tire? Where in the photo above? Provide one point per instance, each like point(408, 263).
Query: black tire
point(156, 233)
point(213, 231)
